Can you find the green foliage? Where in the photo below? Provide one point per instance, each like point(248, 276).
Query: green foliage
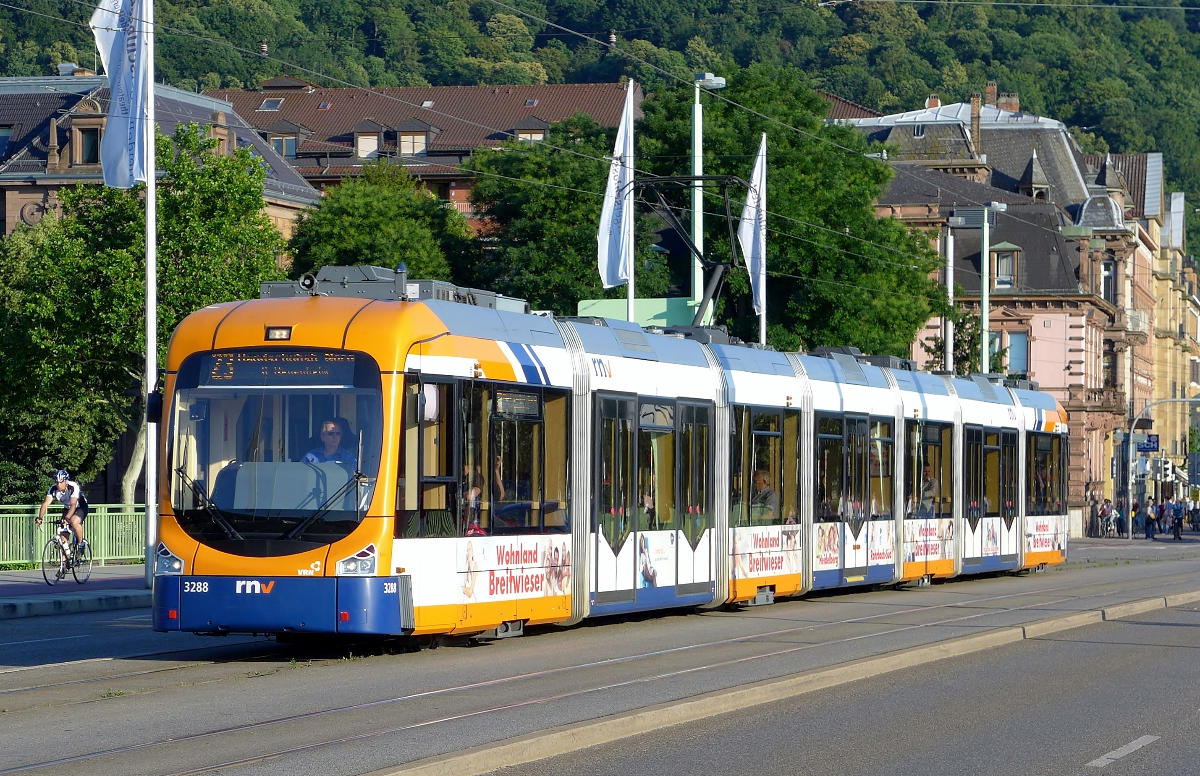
point(836, 275)
point(544, 201)
point(72, 302)
point(966, 345)
point(384, 217)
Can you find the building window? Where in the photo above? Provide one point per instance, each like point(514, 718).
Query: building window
point(919, 131)
point(1108, 281)
point(1110, 365)
point(89, 146)
point(413, 144)
point(324, 106)
point(995, 345)
point(284, 145)
point(531, 137)
point(1006, 269)
point(5, 134)
point(1018, 353)
point(1195, 371)
point(271, 103)
point(367, 146)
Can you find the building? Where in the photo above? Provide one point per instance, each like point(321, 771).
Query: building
point(327, 134)
point(1091, 295)
point(50, 131)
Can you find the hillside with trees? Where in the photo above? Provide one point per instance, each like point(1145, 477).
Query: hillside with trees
point(1126, 80)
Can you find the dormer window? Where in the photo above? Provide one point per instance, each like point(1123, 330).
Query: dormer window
point(1005, 257)
point(284, 145)
point(5, 135)
point(89, 146)
point(413, 143)
point(531, 137)
point(366, 146)
point(919, 131)
point(271, 103)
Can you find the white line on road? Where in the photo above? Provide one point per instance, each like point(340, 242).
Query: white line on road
point(1128, 749)
point(39, 641)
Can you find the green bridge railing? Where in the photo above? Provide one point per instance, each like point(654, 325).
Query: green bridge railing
point(117, 532)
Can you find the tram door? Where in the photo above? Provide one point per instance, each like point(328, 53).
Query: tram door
point(614, 513)
point(856, 549)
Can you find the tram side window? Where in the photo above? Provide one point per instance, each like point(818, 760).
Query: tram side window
point(991, 473)
point(614, 469)
point(927, 481)
point(880, 483)
point(656, 467)
point(767, 446)
point(695, 465)
point(829, 475)
point(518, 455)
point(740, 505)
point(1044, 479)
point(789, 502)
point(972, 468)
point(1008, 486)
point(478, 488)
point(426, 497)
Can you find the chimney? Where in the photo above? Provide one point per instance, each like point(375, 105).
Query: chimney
point(52, 149)
point(933, 101)
point(990, 93)
point(1009, 101)
point(976, 140)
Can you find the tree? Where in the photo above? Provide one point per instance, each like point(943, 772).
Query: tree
point(541, 204)
point(383, 217)
point(966, 345)
point(72, 303)
point(836, 274)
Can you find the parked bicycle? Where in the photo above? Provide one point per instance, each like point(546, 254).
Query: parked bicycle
point(63, 554)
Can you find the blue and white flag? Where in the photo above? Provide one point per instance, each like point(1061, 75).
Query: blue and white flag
point(121, 39)
point(752, 231)
point(615, 239)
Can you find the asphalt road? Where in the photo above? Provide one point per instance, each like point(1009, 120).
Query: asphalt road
point(99, 693)
point(1116, 698)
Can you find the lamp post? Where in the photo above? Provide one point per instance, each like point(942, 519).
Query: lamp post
point(981, 218)
point(710, 82)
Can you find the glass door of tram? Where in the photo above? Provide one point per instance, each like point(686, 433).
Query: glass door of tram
point(614, 512)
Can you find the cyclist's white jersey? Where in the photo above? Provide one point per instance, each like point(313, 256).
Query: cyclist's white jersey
point(64, 497)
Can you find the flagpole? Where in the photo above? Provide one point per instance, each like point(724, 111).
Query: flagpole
point(148, 128)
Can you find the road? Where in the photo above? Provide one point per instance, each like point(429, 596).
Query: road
point(1116, 698)
point(118, 699)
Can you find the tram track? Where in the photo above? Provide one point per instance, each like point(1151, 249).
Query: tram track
point(244, 741)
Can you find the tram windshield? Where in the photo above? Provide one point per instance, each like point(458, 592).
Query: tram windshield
point(273, 450)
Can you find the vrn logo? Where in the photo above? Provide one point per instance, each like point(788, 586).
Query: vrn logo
point(253, 587)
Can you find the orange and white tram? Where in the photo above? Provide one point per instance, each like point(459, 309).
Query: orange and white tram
point(497, 469)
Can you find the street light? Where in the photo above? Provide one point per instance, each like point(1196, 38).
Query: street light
point(981, 217)
point(710, 82)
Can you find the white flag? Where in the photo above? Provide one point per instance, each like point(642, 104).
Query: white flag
point(614, 251)
point(121, 39)
point(752, 231)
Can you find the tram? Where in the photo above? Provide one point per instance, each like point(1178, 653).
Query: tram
point(498, 469)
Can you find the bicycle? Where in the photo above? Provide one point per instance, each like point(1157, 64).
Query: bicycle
point(63, 554)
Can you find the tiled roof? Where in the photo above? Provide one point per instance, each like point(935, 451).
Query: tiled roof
point(1135, 169)
point(469, 116)
point(32, 102)
point(841, 108)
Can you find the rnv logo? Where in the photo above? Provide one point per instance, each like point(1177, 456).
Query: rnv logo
point(253, 586)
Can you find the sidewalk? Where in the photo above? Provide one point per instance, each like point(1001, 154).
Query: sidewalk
point(26, 594)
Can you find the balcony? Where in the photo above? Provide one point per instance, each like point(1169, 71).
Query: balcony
point(1095, 400)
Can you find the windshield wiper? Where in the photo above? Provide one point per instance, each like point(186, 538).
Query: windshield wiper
point(209, 507)
point(325, 507)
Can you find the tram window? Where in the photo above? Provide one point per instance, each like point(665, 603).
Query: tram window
point(477, 489)
point(830, 466)
point(972, 469)
point(991, 473)
point(656, 467)
point(740, 511)
point(695, 467)
point(927, 472)
point(517, 466)
point(614, 469)
point(767, 445)
point(1044, 486)
point(1008, 484)
point(856, 470)
point(789, 503)
point(426, 496)
point(880, 484)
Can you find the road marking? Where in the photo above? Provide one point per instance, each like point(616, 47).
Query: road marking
point(39, 641)
point(1128, 749)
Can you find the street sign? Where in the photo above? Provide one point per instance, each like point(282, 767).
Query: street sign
point(1150, 445)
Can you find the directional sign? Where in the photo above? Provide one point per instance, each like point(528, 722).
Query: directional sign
point(1150, 445)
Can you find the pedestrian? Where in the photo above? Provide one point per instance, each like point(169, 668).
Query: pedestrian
point(1149, 518)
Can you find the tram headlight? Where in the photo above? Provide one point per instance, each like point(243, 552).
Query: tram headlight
point(167, 563)
point(360, 564)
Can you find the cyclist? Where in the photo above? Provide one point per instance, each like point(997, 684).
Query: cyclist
point(75, 507)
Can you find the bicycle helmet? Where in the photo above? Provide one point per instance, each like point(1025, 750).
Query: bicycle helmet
point(62, 475)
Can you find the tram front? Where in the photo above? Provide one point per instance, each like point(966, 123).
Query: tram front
point(270, 467)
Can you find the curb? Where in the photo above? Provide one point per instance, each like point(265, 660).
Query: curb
point(528, 748)
point(71, 603)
